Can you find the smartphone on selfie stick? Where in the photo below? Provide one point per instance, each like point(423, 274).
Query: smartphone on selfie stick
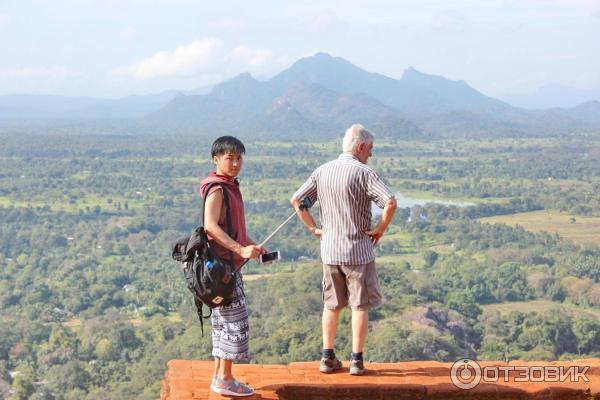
point(305, 204)
point(269, 257)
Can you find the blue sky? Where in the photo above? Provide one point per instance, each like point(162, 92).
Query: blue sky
point(114, 48)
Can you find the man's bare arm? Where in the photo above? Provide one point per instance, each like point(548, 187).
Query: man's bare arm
point(306, 217)
point(386, 217)
point(212, 213)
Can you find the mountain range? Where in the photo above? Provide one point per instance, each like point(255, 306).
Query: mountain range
point(319, 96)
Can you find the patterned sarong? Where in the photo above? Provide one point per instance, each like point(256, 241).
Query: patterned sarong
point(230, 328)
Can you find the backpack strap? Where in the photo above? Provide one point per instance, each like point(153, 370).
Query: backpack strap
point(201, 317)
point(199, 305)
point(227, 212)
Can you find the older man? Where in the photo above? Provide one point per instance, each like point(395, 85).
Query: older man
point(345, 188)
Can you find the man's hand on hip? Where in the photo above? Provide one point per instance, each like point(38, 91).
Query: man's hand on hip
point(386, 218)
point(375, 235)
point(317, 232)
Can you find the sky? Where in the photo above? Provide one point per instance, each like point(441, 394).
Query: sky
point(114, 48)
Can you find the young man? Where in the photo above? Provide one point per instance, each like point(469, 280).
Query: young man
point(345, 188)
point(229, 323)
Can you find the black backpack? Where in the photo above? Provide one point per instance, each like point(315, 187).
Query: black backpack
point(211, 279)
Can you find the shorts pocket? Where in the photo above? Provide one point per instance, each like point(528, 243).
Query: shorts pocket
point(372, 284)
point(329, 298)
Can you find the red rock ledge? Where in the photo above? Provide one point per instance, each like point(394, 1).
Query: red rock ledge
point(415, 380)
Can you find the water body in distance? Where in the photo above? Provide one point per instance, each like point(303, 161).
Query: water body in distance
point(407, 202)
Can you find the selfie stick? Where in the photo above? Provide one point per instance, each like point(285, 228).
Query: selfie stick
point(277, 230)
point(305, 204)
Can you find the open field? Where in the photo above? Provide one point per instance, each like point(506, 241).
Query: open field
point(541, 306)
point(63, 203)
point(585, 230)
point(255, 277)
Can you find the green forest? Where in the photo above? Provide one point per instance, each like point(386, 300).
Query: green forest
point(92, 306)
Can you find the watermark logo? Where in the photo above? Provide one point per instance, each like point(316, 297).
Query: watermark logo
point(467, 373)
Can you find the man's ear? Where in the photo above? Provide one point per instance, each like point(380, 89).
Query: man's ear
point(215, 159)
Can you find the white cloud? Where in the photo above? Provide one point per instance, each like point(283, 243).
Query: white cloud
point(256, 61)
point(204, 61)
point(4, 20)
point(196, 57)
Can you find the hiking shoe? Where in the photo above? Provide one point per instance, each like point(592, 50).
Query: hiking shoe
point(357, 367)
point(328, 365)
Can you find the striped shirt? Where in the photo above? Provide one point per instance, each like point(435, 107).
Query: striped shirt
point(345, 188)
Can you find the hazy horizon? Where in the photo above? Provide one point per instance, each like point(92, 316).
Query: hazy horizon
point(114, 49)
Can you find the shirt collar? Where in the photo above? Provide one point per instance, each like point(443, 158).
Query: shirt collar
point(348, 156)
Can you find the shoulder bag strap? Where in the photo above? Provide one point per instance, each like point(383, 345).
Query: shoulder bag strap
point(227, 212)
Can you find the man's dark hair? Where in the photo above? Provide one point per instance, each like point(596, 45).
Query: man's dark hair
point(226, 144)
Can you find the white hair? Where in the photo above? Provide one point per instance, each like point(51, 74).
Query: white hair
point(356, 135)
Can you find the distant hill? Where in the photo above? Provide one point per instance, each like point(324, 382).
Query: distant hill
point(80, 108)
point(322, 94)
point(247, 107)
point(343, 92)
point(588, 112)
point(416, 93)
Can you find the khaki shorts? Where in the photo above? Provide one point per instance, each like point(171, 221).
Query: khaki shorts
point(354, 285)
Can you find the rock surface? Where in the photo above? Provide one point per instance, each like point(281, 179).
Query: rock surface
point(186, 379)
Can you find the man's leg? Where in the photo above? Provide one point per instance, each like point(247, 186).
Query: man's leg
point(329, 362)
point(360, 328)
point(335, 297)
point(330, 323)
point(364, 294)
